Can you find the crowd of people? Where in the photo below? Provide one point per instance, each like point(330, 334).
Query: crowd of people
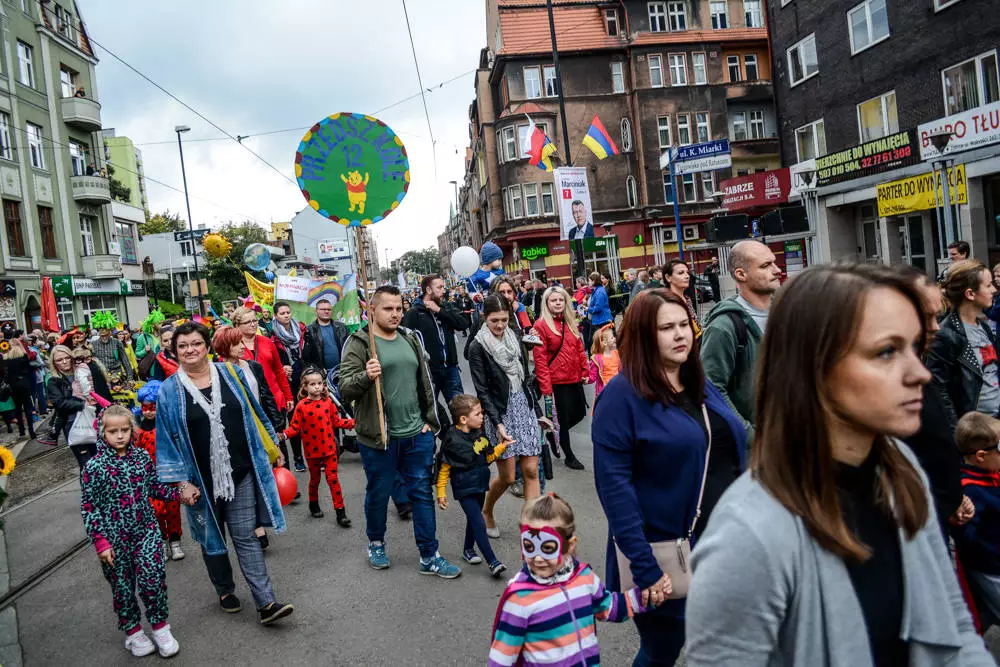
point(783, 479)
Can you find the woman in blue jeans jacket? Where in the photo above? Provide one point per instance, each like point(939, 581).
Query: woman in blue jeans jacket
point(599, 308)
point(650, 447)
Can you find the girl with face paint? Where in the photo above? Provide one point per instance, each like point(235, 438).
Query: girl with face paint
point(538, 598)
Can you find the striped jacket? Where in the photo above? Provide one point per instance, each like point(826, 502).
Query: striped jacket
point(553, 625)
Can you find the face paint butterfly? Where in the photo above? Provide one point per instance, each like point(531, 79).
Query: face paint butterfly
point(545, 542)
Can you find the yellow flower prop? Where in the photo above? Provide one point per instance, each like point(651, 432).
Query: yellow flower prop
point(216, 245)
point(4, 346)
point(6, 461)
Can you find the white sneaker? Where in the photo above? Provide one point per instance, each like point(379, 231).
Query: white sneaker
point(165, 642)
point(139, 644)
point(176, 553)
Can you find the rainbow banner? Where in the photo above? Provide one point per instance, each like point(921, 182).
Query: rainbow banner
point(343, 295)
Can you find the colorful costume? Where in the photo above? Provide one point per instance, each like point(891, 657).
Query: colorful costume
point(553, 623)
point(168, 512)
point(116, 513)
point(314, 421)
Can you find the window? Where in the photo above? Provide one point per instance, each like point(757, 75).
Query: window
point(15, 233)
point(733, 62)
point(64, 22)
point(754, 16)
point(689, 191)
point(707, 185)
point(549, 75)
point(802, 62)
point(750, 66)
point(756, 124)
point(970, 84)
point(64, 308)
point(48, 232)
point(126, 242)
point(506, 203)
point(663, 128)
point(617, 77)
point(26, 69)
point(34, 133)
point(684, 129)
point(78, 158)
point(509, 144)
point(532, 86)
point(868, 24)
point(87, 224)
point(810, 141)
point(677, 13)
point(185, 248)
point(720, 19)
point(530, 199)
point(611, 21)
point(548, 202)
point(516, 205)
point(740, 126)
point(678, 69)
point(657, 17)
point(5, 143)
point(626, 135)
point(655, 71)
point(700, 69)
point(701, 122)
point(24, 6)
point(67, 81)
point(630, 192)
point(668, 189)
point(94, 304)
point(524, 140)
point(877, 117)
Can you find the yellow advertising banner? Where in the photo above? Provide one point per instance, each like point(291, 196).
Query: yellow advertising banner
point(262, 293)
point(917, 193)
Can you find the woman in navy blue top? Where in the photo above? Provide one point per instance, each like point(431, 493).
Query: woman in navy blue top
point(650, 444)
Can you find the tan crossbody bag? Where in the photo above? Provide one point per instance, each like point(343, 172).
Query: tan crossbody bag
point(673, 556)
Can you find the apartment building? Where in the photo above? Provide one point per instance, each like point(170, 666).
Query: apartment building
point(125, 162)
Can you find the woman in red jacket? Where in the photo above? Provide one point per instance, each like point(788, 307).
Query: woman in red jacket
point(262, 350)
point(561, 365)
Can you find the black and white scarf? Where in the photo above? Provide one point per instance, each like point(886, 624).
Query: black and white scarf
point(289, 337)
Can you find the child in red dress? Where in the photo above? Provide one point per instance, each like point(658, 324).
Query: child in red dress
point(314, 420)
point(168, 512)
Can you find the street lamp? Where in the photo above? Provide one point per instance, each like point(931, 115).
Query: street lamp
point(807, 179)
point(181, 129)
point(939, 139)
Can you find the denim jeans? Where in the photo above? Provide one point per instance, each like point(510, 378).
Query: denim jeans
point(447, 382)
point(413, 459)
point(475, 527)
point(41, 401)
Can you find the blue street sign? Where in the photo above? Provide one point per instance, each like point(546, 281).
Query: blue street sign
point(707, 149)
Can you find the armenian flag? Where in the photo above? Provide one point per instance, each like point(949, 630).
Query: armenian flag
point(541, 149)
point(599, 141)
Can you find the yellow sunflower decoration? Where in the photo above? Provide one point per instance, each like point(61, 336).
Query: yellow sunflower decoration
point(6, 461)
point(216, 245)
point(4, 347)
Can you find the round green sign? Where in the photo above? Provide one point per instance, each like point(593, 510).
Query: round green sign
point(352, 169)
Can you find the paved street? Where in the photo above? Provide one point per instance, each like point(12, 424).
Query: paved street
point(345, 613)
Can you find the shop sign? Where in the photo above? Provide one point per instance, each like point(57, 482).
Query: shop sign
point(187, 235)
point(972, 129)
point(707, 156)
point(872, 157)
point(68, 286)
point(331, 249)
point(765, 188)
point(917, 193)
point(136, 288)
point(534, 251)
point(602, 244)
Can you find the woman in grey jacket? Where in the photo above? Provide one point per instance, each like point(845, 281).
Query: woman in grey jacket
point(827, 552)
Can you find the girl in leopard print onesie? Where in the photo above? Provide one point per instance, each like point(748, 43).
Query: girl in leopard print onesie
point(116, 485)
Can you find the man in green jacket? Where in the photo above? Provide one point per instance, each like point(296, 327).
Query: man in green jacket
point(410, 420)
point(734, 328)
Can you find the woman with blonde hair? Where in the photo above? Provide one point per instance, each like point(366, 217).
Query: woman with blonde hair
point(262, 350)
point(65, 404)
point(561, 365)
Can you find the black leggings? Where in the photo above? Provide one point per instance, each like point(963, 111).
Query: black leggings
point(564, 444)
point(23, 408)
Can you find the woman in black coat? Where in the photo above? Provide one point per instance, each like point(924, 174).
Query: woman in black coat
point(66, 406)
point(19, 373)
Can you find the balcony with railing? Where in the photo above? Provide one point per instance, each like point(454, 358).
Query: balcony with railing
point(102, 266)
point(91, 189)
point(81, 113)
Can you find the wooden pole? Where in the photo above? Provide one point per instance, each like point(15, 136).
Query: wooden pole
point(359, 242)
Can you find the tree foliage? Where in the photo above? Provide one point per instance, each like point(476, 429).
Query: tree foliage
point(158, 223)
point(225, 274)
point(119, 192)
point(422, 262)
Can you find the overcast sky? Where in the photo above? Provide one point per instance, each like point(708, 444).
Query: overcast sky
point(256, 66)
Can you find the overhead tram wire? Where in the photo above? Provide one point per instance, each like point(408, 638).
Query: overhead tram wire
point(423, 96)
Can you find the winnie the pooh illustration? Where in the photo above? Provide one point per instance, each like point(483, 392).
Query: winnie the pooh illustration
point(356, 194)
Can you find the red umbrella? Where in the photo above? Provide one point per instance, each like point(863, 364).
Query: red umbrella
point(50, 317)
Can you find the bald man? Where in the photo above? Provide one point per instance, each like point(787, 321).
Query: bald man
point(735, 327)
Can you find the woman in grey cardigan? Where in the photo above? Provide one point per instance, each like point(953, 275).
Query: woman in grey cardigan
point(826, 551)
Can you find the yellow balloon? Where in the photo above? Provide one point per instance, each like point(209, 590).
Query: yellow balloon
point(216, 245)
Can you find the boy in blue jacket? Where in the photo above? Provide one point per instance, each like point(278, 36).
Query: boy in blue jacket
point(978, 541)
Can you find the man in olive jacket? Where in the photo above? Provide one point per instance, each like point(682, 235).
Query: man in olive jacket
point(410, 422)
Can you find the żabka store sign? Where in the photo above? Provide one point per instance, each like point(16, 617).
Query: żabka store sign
point(972, 129)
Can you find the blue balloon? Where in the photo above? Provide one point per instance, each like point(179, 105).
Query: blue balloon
point(269, 275)
point(257, 256)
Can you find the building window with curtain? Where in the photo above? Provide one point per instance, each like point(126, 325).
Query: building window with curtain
point(48, 231)
point(877, 117)
point(971, 83)
point(87, 224)
point(15, 228)
point(126, 242)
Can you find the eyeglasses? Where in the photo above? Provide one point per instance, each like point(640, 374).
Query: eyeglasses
point(246, 322)
point(196, 345)
point(994, 448)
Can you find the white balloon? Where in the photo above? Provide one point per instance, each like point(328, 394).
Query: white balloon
point(465, 261)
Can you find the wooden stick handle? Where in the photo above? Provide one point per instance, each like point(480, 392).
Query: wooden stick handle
point(373, 350)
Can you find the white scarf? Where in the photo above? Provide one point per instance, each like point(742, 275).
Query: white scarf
point(251, 378)
point(222, 469)
point(506, 352)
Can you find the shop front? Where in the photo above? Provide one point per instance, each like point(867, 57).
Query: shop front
point(77, 299)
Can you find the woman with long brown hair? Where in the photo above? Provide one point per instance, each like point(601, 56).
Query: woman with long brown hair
point(827, 551)
point(666, 446)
